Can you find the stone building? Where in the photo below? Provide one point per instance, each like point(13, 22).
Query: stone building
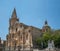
point(2, 44)
point(21, 35)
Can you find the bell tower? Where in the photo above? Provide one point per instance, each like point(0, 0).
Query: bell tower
point(46, 27)
point(13, 18)
point(46, 23)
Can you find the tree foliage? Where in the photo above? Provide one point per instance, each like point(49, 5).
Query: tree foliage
point(46, 36)
point(43, 41)
point(38, 42)
point(56, 38)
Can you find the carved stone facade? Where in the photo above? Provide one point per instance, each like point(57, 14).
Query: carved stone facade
point(21, 34)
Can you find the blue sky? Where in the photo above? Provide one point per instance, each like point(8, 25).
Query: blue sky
point(30, 12)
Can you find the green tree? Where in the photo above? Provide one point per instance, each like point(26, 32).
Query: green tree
point(43, 41)
point(56, 38)
point(49, 36)
point(38, 42)
point(46, 36)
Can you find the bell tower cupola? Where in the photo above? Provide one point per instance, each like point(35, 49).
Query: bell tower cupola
point(46, 23)
point(46, 27)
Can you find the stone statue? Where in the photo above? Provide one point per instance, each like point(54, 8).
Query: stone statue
point(51, 46)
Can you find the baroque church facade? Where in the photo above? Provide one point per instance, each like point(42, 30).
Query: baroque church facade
point(23, 35)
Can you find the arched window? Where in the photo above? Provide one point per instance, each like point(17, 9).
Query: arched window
point(26, 36)
point(46, 30)
point(29, 31)
point(20, 25)
point(16, 29)
point(12, 35)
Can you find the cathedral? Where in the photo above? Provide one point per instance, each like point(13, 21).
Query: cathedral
point(21, 35)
